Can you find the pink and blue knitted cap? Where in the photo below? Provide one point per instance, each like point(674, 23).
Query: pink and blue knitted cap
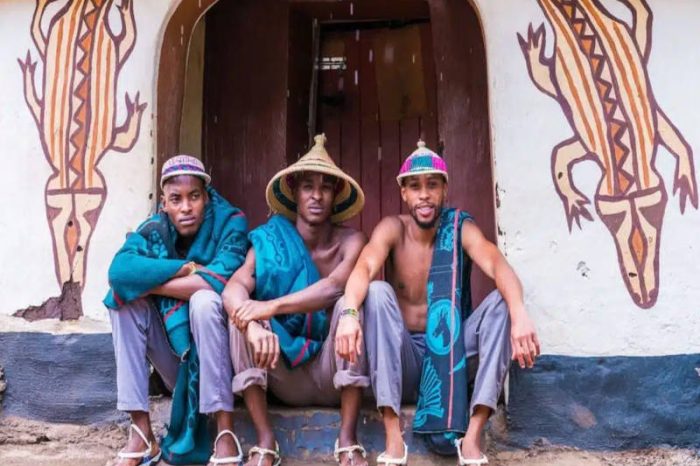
point(422, 161)
point(183, 165)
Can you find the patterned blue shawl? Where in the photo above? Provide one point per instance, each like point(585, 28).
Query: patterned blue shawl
point(443, 401)
point(283, 266)
point(148, 259)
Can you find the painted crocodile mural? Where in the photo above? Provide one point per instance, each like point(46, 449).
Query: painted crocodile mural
point(598, 75)
point(76, 117)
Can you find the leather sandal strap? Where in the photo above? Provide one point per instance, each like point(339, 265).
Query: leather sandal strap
point(133, 455)
point(276, 460)
point(386, 460)
point(228, 459)
point(337, 451)
point(469, 462)
point(140, 433)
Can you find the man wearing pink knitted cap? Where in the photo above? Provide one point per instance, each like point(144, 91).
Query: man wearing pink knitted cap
point(421, 333)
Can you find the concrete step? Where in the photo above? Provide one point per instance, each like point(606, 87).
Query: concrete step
point(309, 433)
point(306, 436)
point(34, 443)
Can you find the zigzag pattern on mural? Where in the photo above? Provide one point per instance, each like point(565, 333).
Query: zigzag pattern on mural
point(81, 95)
point(617, 124)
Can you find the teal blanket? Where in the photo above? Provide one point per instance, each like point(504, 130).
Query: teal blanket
point(148, 259)
point(443, 400)
point(283, 266)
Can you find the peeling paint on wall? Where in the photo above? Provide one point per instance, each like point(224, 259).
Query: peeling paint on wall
point(67, 306)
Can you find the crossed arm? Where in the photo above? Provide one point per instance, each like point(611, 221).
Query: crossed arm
point(183, 285)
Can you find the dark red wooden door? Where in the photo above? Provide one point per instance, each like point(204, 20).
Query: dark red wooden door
point(374, 111)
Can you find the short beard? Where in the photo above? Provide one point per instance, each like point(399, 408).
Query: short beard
point(430, 224)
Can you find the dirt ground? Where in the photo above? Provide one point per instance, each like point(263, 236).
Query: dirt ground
point(24, 443)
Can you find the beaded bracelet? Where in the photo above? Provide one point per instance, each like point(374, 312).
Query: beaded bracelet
point(350, 312)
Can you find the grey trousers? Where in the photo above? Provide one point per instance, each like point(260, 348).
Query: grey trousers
point(138, 335)
point(317, 382)
point(396, 357)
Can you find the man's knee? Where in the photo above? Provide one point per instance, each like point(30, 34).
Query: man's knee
point(205, 304)
point(380, 302)
point(383, 322)
point(497, 307)
point(379, 289)
point(130, 314)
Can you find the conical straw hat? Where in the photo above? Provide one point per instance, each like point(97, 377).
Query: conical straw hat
point(349, 198)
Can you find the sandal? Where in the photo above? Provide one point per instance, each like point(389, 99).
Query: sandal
point(276, 460)
point(236, 460)
point(469, 462)
point(337, 451)
point(384, 460)
point(144, 456)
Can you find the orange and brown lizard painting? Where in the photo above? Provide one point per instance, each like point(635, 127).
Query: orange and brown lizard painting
point(598, 75)
point(75, 113)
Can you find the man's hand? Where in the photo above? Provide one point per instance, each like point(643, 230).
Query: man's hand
point(524, 341)
point(251, 310)
point(265, 346)
point(187, 269)
point(348, 338)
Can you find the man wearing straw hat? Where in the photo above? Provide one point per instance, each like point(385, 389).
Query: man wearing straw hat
point(422, 335)
point(284, 302)
point(165, 307)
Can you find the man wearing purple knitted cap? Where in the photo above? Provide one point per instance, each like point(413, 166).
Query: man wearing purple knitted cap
point(421, 333)
point(165, 306)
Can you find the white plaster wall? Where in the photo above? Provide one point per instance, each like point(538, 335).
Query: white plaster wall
point(27, 273)
point(575, 314)
point(591, 313)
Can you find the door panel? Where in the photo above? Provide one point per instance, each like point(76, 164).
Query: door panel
point(374, 111)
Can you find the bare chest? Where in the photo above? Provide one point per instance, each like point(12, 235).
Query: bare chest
point(327, 258)
point(408, 271)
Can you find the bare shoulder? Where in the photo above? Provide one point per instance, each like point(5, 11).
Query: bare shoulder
point(471, 231)
point(473, 239)
point(349, 236)
point(389, 229)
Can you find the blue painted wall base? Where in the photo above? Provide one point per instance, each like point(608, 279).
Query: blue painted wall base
point(59, 378)
point(607, 402)
point(593, 403)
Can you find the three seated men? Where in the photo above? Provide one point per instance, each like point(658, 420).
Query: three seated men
point(218, 311)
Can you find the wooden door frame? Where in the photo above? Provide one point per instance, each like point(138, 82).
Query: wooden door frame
point(172, 63)
point(173, 52)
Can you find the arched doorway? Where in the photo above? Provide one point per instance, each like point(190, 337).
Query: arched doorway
point(257, 97)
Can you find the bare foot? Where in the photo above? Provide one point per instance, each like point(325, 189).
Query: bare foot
point(224, 448)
